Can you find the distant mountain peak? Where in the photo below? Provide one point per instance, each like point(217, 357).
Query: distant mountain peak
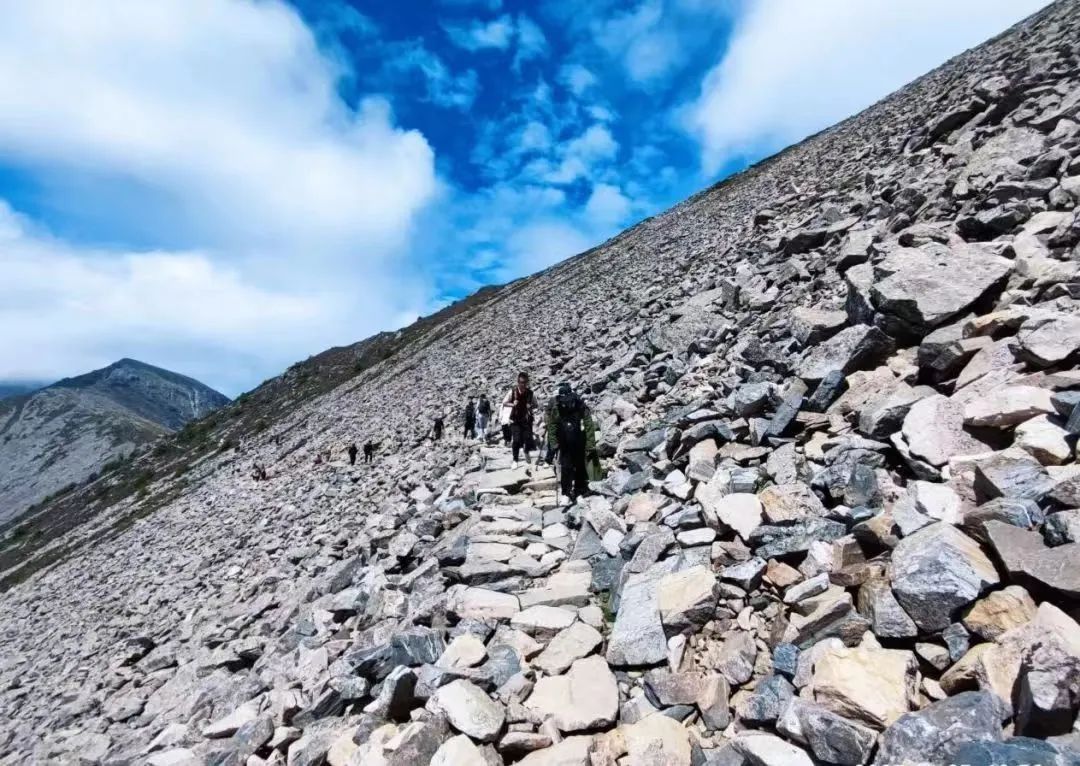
point(64, 432)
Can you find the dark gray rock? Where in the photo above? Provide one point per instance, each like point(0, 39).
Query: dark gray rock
point(828, 391)
point(855, 348)
point(830, 737)
point(1017, 750)
point(1026, 557)
point(1011, 475)
point(936, 732)
point(936, 571)
point(770, 541)
point(769, 698)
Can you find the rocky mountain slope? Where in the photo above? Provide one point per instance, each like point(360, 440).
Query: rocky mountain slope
point(838, 402)
point(60, 435)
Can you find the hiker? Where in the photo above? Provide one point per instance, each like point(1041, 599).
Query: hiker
point(369, 450)
point(571, 432)
point(437, 428)
point(470, 419)
point(352, 453)
point(483, 414)
point(258, 472)
point(522, 406)
point(504, 423)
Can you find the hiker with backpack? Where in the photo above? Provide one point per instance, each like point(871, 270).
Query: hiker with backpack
point(504, 422)
point(483, 414)
point(352, 453)
point(571, 434)
point(437, 428)
point(369, 450)
point(470, 419)
point(522, 403)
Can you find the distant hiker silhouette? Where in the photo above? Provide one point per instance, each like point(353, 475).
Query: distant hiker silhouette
point(437, 428)
point(352, 453)
point(369, 450)
point(470, 419)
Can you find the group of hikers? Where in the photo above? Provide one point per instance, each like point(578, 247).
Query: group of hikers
point(369, 452)
point(569, 431)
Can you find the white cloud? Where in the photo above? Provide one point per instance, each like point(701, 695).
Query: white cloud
point(541, 243)
point(532, 43)
point(643, 40)
point(491, 5)
point(794, 67)
point(222, 103)
point(580, 154)
point(444, 88)
point(500, 34)
point(600, 113)
point(535, 136)
point(293, 207)
point(577, 78)
point(479, 35)
point(607, 206)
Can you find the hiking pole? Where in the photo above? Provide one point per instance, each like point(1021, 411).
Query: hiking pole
point(557, 501)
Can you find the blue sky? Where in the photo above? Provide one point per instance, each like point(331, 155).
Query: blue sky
point(223, 187)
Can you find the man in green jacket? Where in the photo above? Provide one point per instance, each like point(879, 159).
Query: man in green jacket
point(571, 432)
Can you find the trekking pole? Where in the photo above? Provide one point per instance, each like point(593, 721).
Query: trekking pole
point(556, 467)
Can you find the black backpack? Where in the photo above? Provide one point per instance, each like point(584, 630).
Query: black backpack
point(484, 408)
point(571, 410)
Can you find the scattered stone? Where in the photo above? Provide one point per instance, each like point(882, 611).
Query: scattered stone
point(587, 697)
point(470, 710)
point(687, 598)
point(999, 612)
point(935, 733)
point(577, 641)
point(874, 686)
point(1025, 555)
point(855, 348)
point(936, 571)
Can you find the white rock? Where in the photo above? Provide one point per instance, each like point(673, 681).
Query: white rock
point(688, 597)
point(740, 511)
point(1043, 440)
point(587, 697)
point(577, 641)
point(572, 751)
point(770, 750)
point(1008, 406)
point(464, 651)
point(543, 620)
point(656, 740)
point(457, 751)
point(482, 604)
point(470, 710)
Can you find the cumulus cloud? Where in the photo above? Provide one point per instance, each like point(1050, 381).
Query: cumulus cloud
point(443, 87)
point(648, 46)
point(532, 43)
point(795, 67)
point(230, 113)
point(607, 206)
point(497, 33)
point(579, 155)
point(577, 78)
